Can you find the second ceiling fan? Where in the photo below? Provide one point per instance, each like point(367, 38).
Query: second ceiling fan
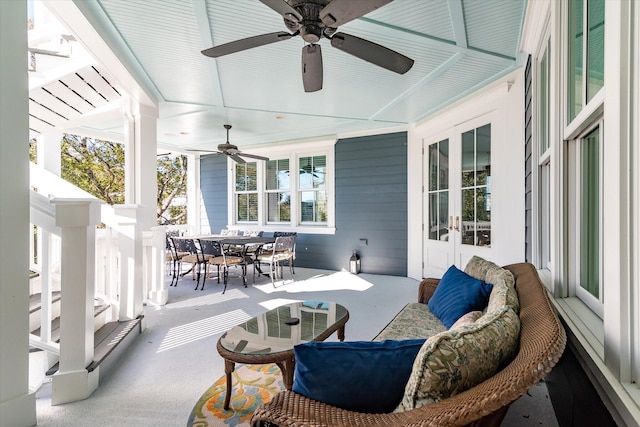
point(313, 20)
point(232, 151)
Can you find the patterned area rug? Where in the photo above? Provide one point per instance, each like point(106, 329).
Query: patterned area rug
point(253, 385)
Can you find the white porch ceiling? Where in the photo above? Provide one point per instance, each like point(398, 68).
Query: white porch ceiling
point(458, 47)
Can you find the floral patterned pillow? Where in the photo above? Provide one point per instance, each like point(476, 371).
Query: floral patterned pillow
point(467, 319)
point(503, 291)
point(453, 361)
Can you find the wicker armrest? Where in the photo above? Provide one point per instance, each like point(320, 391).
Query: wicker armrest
point(426, 289)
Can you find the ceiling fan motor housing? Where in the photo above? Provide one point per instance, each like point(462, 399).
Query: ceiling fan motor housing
point(311, 26)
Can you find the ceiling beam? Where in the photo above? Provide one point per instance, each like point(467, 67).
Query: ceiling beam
point(205, 30)
point(87, 21)
point(457, 22)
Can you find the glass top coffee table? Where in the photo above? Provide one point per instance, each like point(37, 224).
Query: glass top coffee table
point(271, 336)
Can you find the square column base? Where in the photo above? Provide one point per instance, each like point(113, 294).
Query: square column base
point(73, 386)
point(159, 297)
point(19, 412)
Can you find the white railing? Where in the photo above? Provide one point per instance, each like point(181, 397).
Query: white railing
point(116, 262)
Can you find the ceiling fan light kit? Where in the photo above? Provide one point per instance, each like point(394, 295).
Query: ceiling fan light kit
point(232, 151)
point(312, 20)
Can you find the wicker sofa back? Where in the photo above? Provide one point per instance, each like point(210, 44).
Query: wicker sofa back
point(542, 342)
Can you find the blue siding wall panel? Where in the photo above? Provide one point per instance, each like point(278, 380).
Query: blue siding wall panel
point(370, 200)
point(213, 184)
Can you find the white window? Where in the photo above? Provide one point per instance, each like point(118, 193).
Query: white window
point(585, 217)
point(292, 190)
point(278, 191)
point(585, 79)
point(543, 78)
point(246, 192)
point(312, 189)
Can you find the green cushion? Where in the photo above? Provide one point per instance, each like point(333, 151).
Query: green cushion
point(456, 360)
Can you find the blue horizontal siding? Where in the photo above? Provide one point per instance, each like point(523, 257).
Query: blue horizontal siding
point(370, 203)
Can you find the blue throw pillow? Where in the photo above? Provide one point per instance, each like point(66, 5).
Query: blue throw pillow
point(361, 376)
point(457, 294)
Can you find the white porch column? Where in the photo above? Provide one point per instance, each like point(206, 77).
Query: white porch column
point(131, 265)
point(78, 219)
point(157, 285)
point(17, 403)
point(141, 185)
point(48, 152)
point(194, 196)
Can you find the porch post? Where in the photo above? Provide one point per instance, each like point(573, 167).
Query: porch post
point(131, 265)
point(158, 292)
point(141, 185)
point(78, 219)
point(48, 152)
point(194, 199)
point(17, 402)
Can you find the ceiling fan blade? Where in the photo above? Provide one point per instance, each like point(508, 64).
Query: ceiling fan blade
point(237, 158)
point(372, 52)
point(203, 151)
point(312, 67)
point(253, 156)
point(244, 44)
point(339, 12)
point(284, 9)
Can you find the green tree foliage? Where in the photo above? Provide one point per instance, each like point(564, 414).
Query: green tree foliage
point(172, 190)
point(97, 166)
point(94, 165)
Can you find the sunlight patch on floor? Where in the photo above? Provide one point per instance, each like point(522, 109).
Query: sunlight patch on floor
point(339, 281)
point(209, 299)
point(194, 331)
point(277, 302)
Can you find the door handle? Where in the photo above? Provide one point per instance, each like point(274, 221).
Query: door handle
point(457, 223)
point(450, 223)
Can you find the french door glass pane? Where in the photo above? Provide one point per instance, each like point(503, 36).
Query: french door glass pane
point(590, 214)
point(576, 32)
point(595, 47)
point(443, 165)
point(443, 214)
point(476, 187)
point(468, 216)
point(438, 189)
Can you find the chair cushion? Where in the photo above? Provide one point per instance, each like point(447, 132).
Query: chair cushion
point(456, 360)
point(457, 294)
point(362, 376)
point(414, 321)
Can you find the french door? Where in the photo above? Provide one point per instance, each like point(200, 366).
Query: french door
point(457, 197)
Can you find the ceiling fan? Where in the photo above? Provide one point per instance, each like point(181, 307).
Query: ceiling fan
point(312, 20)
point(231, 150)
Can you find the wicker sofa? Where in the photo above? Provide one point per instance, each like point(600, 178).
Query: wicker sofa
point(541, 343)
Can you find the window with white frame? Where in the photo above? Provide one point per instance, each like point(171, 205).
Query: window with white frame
point(312, 189)
point(585, 78)
point(586, 54)
point(246, 192)
point(544, 156)
point(293, 189)
point(278, 191)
